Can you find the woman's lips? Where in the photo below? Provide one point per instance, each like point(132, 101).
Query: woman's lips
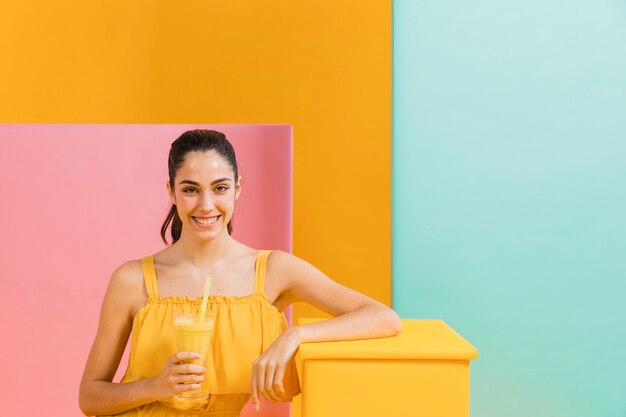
point(205, 221)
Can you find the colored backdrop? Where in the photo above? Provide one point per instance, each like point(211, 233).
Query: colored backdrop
point(509, 197)
point(322, 67)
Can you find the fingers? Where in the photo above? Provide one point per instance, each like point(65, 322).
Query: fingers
point(179, 357)
point(259, 369)
point(255, 394)
point(177, 363)
point(182, 372)
point(188, 368)
point(269, 393)
point(186, 378)
point(186, 387)
point(182, 376)
point(278, 381)
point(264, 380)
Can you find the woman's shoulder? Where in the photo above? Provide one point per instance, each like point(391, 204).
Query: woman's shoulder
point(291, 279)
point(280, 260)
point(128, 273)
point(127, 283)
point(284, 266)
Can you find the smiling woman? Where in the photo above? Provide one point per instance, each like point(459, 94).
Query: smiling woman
point(252, 348)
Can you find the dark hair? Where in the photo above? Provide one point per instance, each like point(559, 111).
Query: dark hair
point(194, 141)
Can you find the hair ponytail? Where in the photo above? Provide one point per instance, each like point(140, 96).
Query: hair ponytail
point(177, 225)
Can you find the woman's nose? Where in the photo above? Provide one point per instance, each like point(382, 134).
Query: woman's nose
point(206, 201)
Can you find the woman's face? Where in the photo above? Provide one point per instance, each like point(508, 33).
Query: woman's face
point(204, 193)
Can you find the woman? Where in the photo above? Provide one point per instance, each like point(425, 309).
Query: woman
point(252, 348)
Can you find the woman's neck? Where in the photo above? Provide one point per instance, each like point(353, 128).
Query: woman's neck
point(201, 253)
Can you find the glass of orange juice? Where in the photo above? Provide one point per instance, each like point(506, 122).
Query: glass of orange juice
point(193, 334)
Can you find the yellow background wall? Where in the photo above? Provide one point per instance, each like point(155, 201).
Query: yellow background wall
point(323, 67)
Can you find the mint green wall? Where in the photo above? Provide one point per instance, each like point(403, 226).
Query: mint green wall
point(509, 195)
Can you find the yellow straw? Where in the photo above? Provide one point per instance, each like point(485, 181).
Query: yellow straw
point(205, 297)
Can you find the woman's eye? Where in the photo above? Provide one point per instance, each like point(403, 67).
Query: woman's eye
point(221, 188)
point(186, 190)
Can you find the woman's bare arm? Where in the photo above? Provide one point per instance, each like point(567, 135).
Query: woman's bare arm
point(356, 316)
point(98, 394)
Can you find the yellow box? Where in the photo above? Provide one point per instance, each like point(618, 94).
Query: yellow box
point(424, 371)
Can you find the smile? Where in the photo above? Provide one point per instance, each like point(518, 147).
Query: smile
point(206, 221)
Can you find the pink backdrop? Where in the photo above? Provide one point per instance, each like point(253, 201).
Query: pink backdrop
point(79, 200)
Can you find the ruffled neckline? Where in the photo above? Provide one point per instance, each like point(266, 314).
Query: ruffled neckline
point(213, 299)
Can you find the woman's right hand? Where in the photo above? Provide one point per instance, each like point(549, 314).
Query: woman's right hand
point(177, 377)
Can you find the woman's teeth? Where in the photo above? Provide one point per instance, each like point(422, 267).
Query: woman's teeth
point(207, 221)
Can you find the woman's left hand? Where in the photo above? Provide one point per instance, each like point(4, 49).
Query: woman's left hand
point(268, 369)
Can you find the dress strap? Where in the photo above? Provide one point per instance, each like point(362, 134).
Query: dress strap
point(259, 273)
point(149, 276)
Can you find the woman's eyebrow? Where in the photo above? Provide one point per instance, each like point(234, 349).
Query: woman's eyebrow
point(198, 184)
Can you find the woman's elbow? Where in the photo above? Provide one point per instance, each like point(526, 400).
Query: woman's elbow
point(394, 322)
point(389, 321)
point(83, 403)
point(85, 408)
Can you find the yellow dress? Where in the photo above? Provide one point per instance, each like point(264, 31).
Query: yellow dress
point(244, 327)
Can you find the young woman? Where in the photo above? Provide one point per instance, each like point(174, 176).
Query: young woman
point(252, 348)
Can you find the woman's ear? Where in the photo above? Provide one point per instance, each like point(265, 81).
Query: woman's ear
point(238, 187)
point(170, 192)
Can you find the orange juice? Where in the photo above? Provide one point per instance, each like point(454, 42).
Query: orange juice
point(193, 334)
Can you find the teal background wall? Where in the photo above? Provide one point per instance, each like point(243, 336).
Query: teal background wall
point(509, 195)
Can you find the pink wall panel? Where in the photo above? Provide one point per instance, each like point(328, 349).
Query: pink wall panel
point(79, 200)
